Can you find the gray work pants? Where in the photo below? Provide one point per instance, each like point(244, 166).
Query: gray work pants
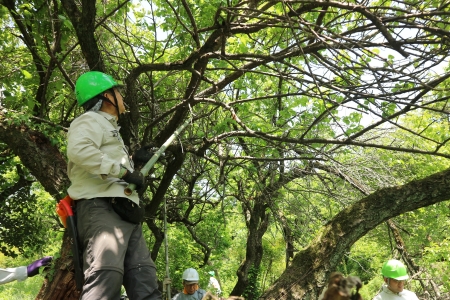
point(115, 254)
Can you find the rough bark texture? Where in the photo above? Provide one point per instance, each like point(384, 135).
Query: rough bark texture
point(37, 153)
point(46, 163)
point(84, 24)
point(306, 276)
point(257, 221)
point(60, 284)
point(257, 226)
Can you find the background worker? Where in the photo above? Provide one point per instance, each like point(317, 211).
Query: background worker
point(99, 168)
point(23, 272)
point(213, 284)
point(394, 274)
point(191, 290)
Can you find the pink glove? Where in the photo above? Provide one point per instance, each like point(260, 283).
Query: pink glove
point(33, 268)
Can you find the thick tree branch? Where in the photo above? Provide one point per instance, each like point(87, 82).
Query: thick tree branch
point(316, 262)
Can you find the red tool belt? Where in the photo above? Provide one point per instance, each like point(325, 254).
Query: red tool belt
point(65, 211)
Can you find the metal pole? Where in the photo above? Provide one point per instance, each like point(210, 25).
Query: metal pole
point(166, 244)
point(145, 169)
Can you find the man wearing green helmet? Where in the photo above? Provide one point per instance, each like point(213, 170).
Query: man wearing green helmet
point(395, 274)
point(100, 168)
point(214, 283)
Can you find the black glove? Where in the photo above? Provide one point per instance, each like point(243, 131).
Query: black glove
point(143, 155)
point(134, 177)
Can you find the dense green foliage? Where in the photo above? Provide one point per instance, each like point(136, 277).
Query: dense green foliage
point(299, 110)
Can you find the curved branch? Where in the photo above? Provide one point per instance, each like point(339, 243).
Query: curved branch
point(322, 256)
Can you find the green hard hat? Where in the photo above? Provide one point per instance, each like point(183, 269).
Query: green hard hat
point(212, 273)
point(394, 269)
point(92, 83)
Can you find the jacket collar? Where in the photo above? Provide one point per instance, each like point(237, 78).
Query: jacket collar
point(388, 291)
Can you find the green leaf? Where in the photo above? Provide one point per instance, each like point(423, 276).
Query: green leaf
point(26, 74)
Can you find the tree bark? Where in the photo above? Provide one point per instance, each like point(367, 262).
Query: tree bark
point(257, 222)
point(38, 155)
point(84, 23)
point(257, 226)
point(310, 268)
point(47, 164)
point(60, 284)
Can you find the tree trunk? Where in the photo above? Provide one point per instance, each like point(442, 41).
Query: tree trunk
point(60, 284)
point(310, 268)
point(257, 226)
point(46, 163)
point(38, 155)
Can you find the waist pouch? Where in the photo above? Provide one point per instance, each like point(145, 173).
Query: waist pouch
point(128, 210)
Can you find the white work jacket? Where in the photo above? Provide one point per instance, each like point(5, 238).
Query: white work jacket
point(96, 151)
point(387, 294)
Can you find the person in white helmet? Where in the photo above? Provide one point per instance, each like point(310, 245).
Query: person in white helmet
point(395, 274)
point(191, 289)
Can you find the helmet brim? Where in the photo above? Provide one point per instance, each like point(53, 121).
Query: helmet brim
point(404, 277)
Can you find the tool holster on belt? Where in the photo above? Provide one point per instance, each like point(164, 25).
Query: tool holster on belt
point(65, 210)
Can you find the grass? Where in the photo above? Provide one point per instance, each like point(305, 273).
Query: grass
point(24, 290)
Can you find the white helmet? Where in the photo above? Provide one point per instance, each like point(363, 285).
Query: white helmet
point(190, 275)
